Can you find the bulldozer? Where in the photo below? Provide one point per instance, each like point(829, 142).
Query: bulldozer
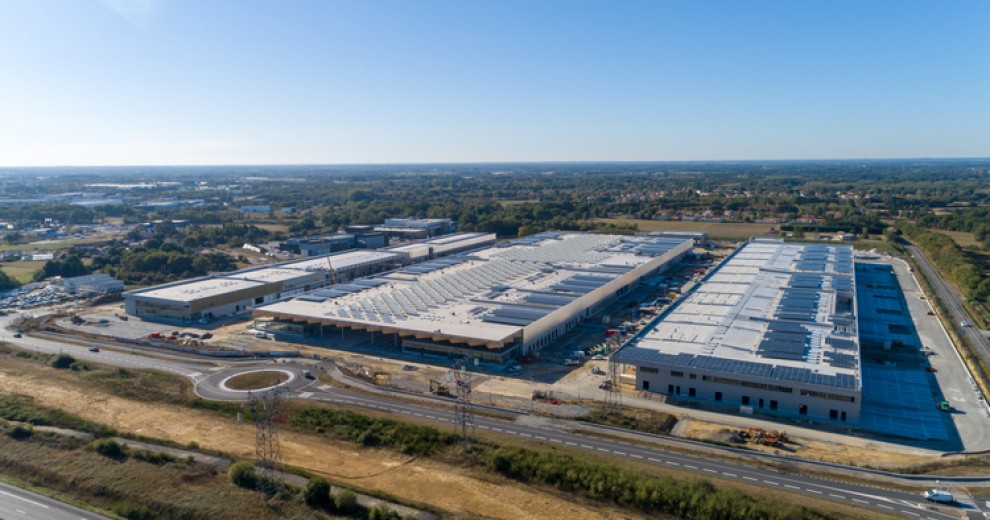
point(438, 388)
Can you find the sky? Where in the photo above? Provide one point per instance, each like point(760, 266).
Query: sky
point(136, 82)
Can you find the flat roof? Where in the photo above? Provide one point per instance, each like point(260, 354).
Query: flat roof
point(199, 289)
point(488, 296)
point(773, 303)
point(340, 261)
point(270, 274)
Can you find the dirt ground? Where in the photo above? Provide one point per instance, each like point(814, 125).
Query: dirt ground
point(412, 480)
point(808, 449)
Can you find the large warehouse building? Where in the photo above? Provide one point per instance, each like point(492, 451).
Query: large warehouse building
point(773, 330)
point(493, 304)
point(214, 297)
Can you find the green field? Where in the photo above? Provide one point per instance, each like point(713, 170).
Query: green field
point(717, 230)
point(52, 246)
point(22, 271)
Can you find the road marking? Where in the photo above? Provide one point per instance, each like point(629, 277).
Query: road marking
point(28, 500)
point(569, 443)
point(558, 441)
point(655, 460)
point(306, 395)
point(496, 429)
point(815, 491)
point(21, 512)
point(788, 486)
point(619, 452)
point(672, 463)
point(749, 478)
point(525, 435)
point(910, 513)
point(585, 446)
point(885, 507)
point(636, 456)
point(772, 483)
point(727, 474)
point(836, 496)
point(688, 466)
point(709, 470)
point(195, 374)
point(603, 449)
point(542, 438)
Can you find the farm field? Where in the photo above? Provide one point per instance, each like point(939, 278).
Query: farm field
point(717, 230)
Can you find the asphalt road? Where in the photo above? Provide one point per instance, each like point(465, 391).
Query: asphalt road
point(953, 302)
point(208, 384)
point(16, 504)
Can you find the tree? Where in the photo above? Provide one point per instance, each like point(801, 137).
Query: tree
point(317, 492)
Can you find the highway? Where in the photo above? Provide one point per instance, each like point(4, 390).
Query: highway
point(208, 380)
point(17, 503)
point(952, 300)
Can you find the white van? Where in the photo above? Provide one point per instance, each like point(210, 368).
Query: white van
point(939, 495)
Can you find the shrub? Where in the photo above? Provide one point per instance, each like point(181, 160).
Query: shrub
point(21, 432)
point(133, 511)
point(382, 512)
point(110, 448)
point(78, 366)
point(316, 493)
point(242, 474)
point(62, 361)
point(345, 502)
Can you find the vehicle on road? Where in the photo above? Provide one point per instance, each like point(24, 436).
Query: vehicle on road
point(597, 371)
point(943, 406)
point(939, 495)
point(17, 334)
point(514, 369)
point(964, 324)
point(308, 375)
point(94, 349)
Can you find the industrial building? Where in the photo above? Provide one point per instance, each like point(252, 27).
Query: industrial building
point(700, 237)
point(493, 304)
point(232, 293)
point(97, 283)
point(442, 246)
point(773, 330)
point(413, 227)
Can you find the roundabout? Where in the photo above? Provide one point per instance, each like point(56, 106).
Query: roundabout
point(256, 380)
point(234, 383)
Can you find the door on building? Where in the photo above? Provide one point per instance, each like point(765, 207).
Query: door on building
point(761, 402)
point(691, 392)
point(670, 389)
point(803, 409)
point(646, 385)
point(833, 414)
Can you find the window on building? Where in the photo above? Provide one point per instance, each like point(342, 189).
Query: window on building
point(745, 400)
point(692, 392)
point(692, 376)
point(773, 404)
point(718, 396)
point(675, 373)
point(803, 409)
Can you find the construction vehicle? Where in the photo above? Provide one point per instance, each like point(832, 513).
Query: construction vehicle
point(330, 270)
point(438, 388)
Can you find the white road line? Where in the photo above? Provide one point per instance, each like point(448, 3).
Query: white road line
point(605, 450)
point(585, 446)
point(749, 478)
point(672, 463)
point(815, 491)
point(569, 443)
point(772, 483)
point(836, 496)
point(688, 466)
point(28, 500)
point(709, 470)
point(619, 452)
point(525, 435)
point(558, 441)
point(655, 460)
point(727, 474)
point(636, 456)
point(885, 507)
point(788, 486)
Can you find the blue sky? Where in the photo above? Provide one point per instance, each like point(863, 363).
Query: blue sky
point(108, 82)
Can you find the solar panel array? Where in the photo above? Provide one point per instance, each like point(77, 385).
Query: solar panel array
point(846, 344)
point(798, 304)
point(840, 359)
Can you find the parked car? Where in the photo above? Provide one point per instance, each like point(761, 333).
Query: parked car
point(94, 349)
